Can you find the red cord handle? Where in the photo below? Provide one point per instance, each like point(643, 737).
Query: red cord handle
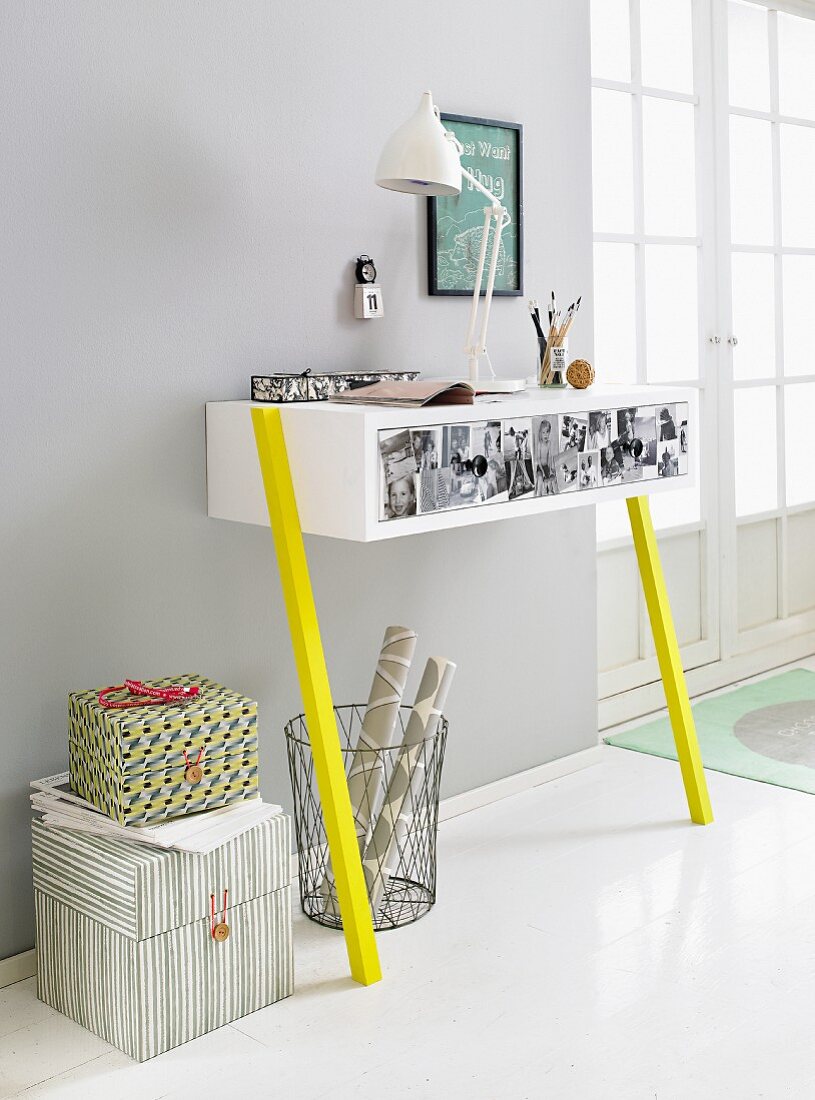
point(201, 752)
point(140, 694)
point(222, 924)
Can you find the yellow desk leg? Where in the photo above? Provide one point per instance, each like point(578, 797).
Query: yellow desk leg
point(670, 665)
point(317, 703)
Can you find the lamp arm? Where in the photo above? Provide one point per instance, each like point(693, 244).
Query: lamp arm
point(502, 217)
point(474, 350)
point(496, 247)
point(470, 348)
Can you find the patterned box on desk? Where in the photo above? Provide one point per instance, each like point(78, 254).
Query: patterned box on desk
point(124, 933)
point(137, 764)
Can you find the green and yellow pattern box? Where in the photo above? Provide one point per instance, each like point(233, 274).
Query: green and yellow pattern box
point(131, 763)
point(124, 933)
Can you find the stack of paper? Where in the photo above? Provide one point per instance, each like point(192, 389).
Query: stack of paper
point(198, 833)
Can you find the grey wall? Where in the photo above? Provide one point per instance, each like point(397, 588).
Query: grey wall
point(177, 180)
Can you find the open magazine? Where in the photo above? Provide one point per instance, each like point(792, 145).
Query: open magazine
point(198, 833)
point(409, 395)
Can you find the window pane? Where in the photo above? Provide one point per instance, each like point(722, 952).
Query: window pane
point(756, 467)
point(610, 41)
point(671, 313)
point(748, 56)
point(667, 44)
point(753, 315)
point(799, 419)
point(668, 165)
point(757, 578)
point(801, 575)
point(796, 50)
point(797, 177)
point(799, 331)
point(612, 162)
point(757, 565)
point(751, 182)
point(615, 325)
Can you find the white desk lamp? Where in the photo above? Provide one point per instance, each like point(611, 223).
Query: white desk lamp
point(422, 158)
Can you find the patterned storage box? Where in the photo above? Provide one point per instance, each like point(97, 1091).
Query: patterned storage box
point(138, 764)
point(124, 933)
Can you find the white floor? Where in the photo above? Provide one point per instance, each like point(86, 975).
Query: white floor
point(588, 942)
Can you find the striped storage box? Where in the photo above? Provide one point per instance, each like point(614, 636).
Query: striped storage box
point(125, 936)
point(145, 764)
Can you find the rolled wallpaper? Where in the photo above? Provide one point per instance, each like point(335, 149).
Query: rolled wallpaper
point(408, 775)
point(380, 730)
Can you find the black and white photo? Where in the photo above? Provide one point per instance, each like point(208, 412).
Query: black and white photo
point(589, 467)
point(631, 470)
point(636, 439)
point(573, 430)
point(544, 449)
point(456, 448)
point(398, 475)
point(487, 461)
point(645, 439)
point(668, 429)
point(433, 481)
point(600, 432)
point(668, 464)
point(517, 448)
point(627, 452)
point(682, 422)
point(455, 445)
point(566, 471)
point(612, 464)
point(426, 448)
point(626, 433)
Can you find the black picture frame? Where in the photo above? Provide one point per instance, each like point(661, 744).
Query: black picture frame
point(441, 286)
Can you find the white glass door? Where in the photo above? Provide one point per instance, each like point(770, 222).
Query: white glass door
point(654, 302)
point(766, 126)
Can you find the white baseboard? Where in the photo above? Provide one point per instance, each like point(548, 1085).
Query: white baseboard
point(458, 804)
point(650, 698)
point(514, 784)
point(17, 967)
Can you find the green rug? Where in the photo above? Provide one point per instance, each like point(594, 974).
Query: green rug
point(764, 731)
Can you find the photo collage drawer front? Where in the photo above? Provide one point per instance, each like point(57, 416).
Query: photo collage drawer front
point(148, 948)
point(435, 468)
point(149, 763)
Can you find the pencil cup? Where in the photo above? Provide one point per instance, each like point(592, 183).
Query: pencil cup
point(552, 371)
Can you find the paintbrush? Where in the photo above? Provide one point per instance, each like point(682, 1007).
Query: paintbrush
point(536, 319)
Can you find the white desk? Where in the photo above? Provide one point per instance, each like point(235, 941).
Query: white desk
point(267, 464)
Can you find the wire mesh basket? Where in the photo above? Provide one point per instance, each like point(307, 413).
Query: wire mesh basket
point(401, 877)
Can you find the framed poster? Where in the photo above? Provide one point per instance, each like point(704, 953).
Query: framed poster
point(493, 152)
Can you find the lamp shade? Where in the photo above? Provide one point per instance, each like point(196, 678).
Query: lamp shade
point(418, 158)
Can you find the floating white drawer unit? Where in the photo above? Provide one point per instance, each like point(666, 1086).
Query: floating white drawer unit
point(343, 457)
